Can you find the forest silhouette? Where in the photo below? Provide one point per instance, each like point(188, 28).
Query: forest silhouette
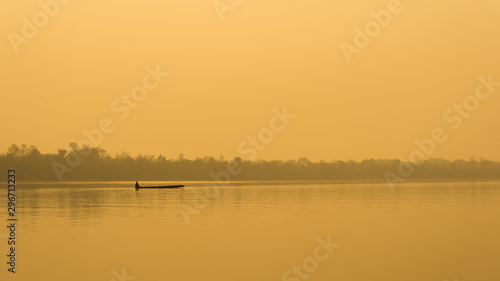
point(98, 165)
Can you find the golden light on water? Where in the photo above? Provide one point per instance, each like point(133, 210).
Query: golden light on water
point(268, 140)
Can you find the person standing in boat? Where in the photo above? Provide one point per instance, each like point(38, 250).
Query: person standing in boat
point(136, 184)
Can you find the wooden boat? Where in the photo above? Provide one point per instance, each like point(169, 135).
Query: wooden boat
point(161, 186)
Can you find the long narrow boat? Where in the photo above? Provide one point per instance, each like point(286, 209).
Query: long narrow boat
point(161, 186)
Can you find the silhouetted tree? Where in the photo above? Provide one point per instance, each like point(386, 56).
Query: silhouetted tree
point(95, 164)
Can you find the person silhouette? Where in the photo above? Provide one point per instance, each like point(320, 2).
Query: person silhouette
point(136, 184)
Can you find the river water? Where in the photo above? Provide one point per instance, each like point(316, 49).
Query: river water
point(261, 231)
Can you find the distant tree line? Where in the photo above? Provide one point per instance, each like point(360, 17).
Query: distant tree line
point(98, 165)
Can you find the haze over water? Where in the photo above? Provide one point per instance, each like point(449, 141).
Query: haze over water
point(226, 75)
point(258, 231)
point(396, 101)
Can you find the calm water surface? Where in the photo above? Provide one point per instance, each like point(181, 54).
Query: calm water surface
point(256, 231)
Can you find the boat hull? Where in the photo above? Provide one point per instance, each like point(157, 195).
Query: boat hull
point(164, 186)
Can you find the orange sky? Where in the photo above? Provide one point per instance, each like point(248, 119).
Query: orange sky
point(226, 77)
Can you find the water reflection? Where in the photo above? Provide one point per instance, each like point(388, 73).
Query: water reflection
point(87, 203)
point(255, 231)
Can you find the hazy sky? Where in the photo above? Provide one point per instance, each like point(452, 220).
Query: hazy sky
point(227, 76)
